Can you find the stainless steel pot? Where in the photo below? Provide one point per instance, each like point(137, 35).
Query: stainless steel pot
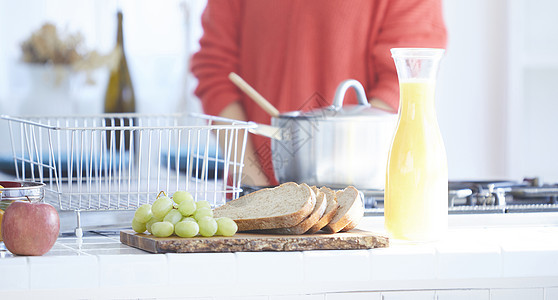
point(334, 146)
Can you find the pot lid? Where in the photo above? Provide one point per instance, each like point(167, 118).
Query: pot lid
point(347, 111)
point(339, 111)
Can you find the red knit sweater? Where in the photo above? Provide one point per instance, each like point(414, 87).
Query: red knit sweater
point(296, 52)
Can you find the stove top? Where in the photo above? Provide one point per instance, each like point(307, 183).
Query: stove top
point(474, 197)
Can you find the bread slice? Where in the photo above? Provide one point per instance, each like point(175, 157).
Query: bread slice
point(330, 210)
point(279, 207)
point(315, 190)
point(302, 227)
point(351, 210)
point(349, 226)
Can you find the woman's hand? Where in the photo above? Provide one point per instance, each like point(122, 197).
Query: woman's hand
point(377, 103)
point(252, 173)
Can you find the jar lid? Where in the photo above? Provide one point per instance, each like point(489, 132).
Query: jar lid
point(22, 190)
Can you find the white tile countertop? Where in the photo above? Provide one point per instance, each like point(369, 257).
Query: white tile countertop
point(483, 257)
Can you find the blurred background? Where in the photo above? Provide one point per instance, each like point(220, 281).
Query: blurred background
point(158, 39)
point(497, 92)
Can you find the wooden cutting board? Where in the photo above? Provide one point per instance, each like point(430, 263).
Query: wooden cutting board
point(250, 242)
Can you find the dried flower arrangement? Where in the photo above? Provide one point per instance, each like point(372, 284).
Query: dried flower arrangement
point(48, 46)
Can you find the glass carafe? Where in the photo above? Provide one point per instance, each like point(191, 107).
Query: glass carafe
point(416, 191)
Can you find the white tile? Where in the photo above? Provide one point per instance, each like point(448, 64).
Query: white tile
point(185, 298)
point(468, 261)
point(276, 267)
point(551, 293)
point(530, 239)
point(84, 240)
point(133, 270)
point(517, 294)
point(63, 272)
point(409, 295)
point(298, 297)
point(517, 262)
point(212, 269)
point(354, 296)
point(58, 246)
point(109, 245)
point(349, 265)
point(242, 298)
point(403, 263)
point(463, 295)
point(114, 251)
point(62, 252)
point(14, 273)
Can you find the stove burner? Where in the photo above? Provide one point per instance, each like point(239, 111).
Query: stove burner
point(477, 186)
point(480, 192)
point(498, 196)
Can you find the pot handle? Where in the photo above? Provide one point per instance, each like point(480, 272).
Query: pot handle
point(271, 132)
point(342, 89)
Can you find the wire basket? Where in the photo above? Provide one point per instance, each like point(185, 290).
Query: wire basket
point(121, 161)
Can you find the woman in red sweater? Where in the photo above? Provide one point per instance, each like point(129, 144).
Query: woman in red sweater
point(296, 52)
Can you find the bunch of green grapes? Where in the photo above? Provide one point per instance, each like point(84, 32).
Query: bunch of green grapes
point(181, 216)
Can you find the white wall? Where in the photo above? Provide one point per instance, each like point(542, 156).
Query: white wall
point(497, 94)
point(471, 90)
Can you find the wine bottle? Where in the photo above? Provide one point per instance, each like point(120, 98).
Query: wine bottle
point(119, 96)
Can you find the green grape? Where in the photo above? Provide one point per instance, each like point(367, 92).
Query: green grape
point(143, 214)
point(203, 203)
point(187, 207)
point(173, 217)
point(138, 226)
point(208, 226)
point(151, 222)
point(186, 229)
point(226, 226)
point(181, 196)
point(203, 212)
point(162, 229)
point(188, 219)
point(161, 207)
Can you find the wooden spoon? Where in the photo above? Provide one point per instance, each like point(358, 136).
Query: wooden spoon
point(253, 94)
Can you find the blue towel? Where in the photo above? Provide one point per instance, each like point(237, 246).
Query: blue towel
point(8, 166)
point(196, 160)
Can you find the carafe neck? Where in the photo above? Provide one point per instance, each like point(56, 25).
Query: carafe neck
point(416, 99)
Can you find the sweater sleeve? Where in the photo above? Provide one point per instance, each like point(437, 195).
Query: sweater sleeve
point(405, 23)
point(218, 56)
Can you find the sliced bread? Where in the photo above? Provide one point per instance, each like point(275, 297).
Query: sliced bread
point(351, 210)
point(279, 207)
point(349, 226)
point(330, 210)
point(302, 227)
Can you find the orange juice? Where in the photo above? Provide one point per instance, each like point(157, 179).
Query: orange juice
point(416, 191)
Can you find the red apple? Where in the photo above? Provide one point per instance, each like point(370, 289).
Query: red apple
point(30, 228)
